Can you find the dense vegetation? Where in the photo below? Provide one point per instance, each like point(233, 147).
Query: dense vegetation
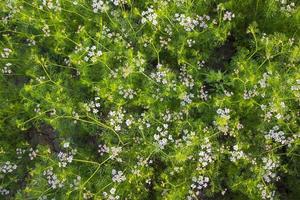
point(138, 99)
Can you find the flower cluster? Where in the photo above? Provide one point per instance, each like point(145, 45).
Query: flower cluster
point(296, 87)
point(199, 183)
point(52, 179)
point(75, 115)
point(222, 120)
point(164, 41)
point(37, 109)
point(65, 158)
point(20, 152)
point(149, 16)
point(201, 64)
point(203, 94)
point(205, 155)
point(7, 68)
point(32, 153)
point(93, 106)
point(76, 182)
point(189, 23)
point(287, 7)
point(8, 167)
point(118, 2)
point(168, 116)
point(103, 149)
point(30, 42)
point(6, 52)
point(272, 111)
point(162, 137)
point(107, 33)
point(263, 81)
point(40, 79)
point(228, 16)
point(160, 76)
point(265, 192)
point(228, 93)
point(186, 79)
point(3, 191)
point(98, 5)
point(87, 194)
point(111, 195)
point(116, 119)
point(186, 139)
point(187, 99)
point(248, 94)
point(224, 113)
point(118, 176)
point(127, 93)
point(276, 135)
point(46, 30)
point(190, 42)
point(51, 4)
point(115, 151)
point(92, 54)
point(237, 154)
point(144, 123)
point(269, 167)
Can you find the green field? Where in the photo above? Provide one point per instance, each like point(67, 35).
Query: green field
point(150, 100)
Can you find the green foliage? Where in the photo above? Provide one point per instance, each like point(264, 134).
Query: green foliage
point(131, 99)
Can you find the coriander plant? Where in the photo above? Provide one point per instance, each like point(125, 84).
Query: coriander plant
point(140, 99)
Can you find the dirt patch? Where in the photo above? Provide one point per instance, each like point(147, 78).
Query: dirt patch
point(222, 55)
point(43, 135)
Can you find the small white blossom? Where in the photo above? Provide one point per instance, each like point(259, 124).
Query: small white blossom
point(65, 158)
point(8, 167)
point(149, 16)
point(32, 153)
point(46, 30)
point(228, 16)
point(98, 5)
point(3, 191)
point(6, 52)
point(92, 54)
point(7, 68)
point(199, 183)
point(111, 195)
point(118, 176)
point(52, 179)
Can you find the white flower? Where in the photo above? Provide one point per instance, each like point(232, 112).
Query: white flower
point(269, 167)
point(7, 69)
point(149, 16)
point(52, 179)
point(98, 5)
point(50, 4)
point(190, 23)
point(115, 151)
point(8, 167)
point(6, 52)
point(128, 122)
point(205, 155)
point(92, 54)
point(46, 30)
point(199, 183)
point(278, 136)
point(65, 158)
point(111, 195)
point(4, 191)
point(118, 176)
point(228, 16)
point(32, 153)
point(66, 144)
